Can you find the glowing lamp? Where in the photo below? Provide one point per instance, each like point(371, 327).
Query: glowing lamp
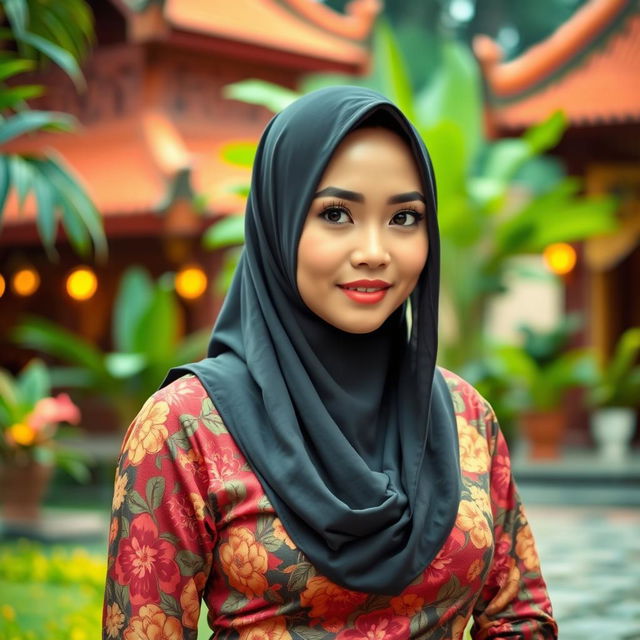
point(191, 282)
point(25, 282)
point(82, 283)
point(560, 258)
point(3, 286)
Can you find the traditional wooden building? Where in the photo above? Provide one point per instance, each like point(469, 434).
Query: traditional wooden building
point(154, 119)
point(589, 67)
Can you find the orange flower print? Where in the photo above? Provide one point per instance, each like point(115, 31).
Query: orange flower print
point(474, 450)
point(407, 605)
point(481, 498)
point(472, 520)
point(330, 604)
point(508, 590)
point(152, 623)
point(244, 560)
point(526, 548)
point(119, 491)
point(114, 620)
point(193, 462)
point(379, 625)
point(198, 505)
point(148, 432)
point(113, 530)
point(271, 629)
point(475, 569)
point(190, 601)
point(281, 534)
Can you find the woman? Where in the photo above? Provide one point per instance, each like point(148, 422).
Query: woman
point(317, 476)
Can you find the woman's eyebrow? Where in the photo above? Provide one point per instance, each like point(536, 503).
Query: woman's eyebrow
point(354, 196)
point(406, 197)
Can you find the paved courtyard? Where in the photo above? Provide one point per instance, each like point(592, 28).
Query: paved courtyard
point(591, 560)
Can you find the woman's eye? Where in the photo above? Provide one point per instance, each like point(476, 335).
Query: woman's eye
point(336, 215)
point(407, 218)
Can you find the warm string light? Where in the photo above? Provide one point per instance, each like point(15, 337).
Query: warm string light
point(25, 282)
point(3, 286)
point(82, 283)
point(560, 258)
point(191, 282)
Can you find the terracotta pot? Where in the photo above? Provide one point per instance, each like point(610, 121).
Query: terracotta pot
point(22, 488)
point(544, 431)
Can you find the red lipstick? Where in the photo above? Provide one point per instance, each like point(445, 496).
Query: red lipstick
point(365, 291)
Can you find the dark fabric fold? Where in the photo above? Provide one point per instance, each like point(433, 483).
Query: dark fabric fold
point(352, 436)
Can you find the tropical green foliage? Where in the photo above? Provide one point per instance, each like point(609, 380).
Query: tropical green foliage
point(541, 370)
point(618, 381)
point(40, 32)
point(491, 206)
point(147, 342)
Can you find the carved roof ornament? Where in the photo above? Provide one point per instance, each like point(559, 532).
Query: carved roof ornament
point(588, 67)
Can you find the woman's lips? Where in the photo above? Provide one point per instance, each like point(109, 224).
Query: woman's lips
point(366, 291)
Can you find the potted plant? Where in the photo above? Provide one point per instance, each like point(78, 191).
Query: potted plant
point(615, 397)
point(541, 371)
point(30, 421)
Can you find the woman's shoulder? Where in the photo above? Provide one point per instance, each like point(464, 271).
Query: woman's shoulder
point(469, 404)
point(173, 415)
point(458, 385)
point(187, 388)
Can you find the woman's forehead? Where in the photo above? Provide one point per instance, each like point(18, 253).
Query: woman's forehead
point(372, 154)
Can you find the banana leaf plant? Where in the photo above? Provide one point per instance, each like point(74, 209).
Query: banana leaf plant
point(497, 199)
point(39, 33)
point(542, 369)
point(147, 342)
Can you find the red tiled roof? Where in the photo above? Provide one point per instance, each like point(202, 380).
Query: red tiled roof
point(128, 166)
point(599, 85)
point(299, 28)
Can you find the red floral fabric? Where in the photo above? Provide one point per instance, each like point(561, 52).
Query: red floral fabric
point(191, 524)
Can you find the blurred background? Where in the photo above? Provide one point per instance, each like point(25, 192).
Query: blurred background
point(127, 133)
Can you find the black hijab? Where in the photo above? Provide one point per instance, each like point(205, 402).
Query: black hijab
point(352, 436)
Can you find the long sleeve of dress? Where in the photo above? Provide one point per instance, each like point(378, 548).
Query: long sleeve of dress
point(513, 602)
point(161, 528)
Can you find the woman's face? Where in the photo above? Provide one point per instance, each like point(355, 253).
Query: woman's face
point(364, 241)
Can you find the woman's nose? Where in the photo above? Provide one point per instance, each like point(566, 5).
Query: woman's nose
point(370, 250)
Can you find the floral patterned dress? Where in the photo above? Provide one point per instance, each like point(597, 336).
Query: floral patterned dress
point(191, 523)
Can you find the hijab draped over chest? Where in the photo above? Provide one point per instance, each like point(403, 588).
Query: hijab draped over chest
point(352, 436)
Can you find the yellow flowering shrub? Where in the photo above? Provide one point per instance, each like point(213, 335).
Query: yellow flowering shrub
point(69, 584)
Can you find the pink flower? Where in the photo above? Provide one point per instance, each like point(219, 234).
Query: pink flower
point(50, 411)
